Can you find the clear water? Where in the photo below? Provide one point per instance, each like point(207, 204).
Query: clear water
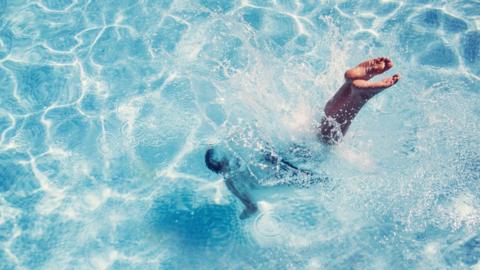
point(107, 108)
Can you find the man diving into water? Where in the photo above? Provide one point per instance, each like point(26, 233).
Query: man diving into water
point(340, 110)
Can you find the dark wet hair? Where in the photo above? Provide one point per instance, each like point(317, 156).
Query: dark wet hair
point(213, 161)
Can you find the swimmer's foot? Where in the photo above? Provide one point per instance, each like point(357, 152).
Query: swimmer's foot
point(249, 211)
point(369, 89)
point(368, 69)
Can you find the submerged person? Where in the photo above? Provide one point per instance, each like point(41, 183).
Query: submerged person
point(339, 111)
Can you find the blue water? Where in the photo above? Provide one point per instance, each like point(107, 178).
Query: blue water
point(107, 108)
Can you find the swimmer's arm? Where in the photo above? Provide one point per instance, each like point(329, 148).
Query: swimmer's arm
point(250, 206)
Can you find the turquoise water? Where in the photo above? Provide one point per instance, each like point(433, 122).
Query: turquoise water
point(107, 108)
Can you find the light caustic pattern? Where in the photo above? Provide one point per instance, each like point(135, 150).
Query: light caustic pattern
point(107, 108)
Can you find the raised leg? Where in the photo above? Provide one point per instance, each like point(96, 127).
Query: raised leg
point(342, 108)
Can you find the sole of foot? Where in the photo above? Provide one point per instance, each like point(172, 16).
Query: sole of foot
point(368, 69)
point(373, 88)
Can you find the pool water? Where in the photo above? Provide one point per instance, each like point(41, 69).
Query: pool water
point(107, 109)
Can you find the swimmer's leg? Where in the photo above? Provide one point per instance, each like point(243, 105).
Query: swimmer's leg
point(250, 207)
point(342, 108)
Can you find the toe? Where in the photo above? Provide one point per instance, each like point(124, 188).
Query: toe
point(388, 63)
point(396, 77)
point(392, 80)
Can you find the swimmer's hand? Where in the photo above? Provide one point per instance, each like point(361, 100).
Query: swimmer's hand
point(249, 211)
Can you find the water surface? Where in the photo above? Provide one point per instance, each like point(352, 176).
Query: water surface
point(107, 108)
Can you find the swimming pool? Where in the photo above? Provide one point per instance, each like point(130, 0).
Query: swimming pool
point(107, 108)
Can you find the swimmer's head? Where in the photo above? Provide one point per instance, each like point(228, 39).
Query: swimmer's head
point(216, 161)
